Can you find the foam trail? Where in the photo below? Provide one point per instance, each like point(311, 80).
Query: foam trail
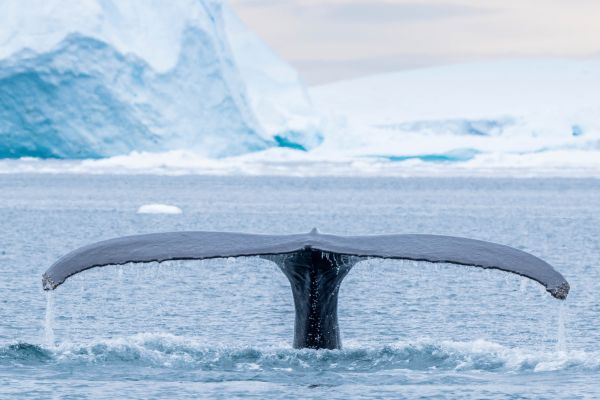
point(49, 320)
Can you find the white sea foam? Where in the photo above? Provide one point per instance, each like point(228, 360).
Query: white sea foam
point(166, 350)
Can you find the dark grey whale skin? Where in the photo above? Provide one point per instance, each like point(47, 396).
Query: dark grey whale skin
point(314, 263)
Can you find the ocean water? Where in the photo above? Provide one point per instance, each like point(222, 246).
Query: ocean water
point(223, 328)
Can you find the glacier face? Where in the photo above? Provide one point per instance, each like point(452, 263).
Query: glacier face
point(276, 93)
point(97, 78)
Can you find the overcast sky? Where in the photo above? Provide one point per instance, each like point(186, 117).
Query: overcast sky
point(337, 39)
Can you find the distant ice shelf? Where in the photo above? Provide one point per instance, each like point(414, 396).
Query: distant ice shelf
point(507, 108)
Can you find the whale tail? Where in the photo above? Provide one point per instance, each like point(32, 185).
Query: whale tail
point(314, 263)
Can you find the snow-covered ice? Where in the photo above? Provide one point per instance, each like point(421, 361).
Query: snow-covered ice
point(506, 107)
point(184, 87)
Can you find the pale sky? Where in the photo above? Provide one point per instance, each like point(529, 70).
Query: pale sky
point(329, 40)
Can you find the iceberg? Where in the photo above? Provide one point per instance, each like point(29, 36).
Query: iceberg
point(102, 78)
point(157, 208)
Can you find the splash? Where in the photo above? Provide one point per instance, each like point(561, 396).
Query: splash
point(155, 350)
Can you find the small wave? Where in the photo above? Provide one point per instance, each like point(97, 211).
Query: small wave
point(168, 351)
point(24, 353)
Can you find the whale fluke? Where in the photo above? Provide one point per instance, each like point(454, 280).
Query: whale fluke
point(314, 263)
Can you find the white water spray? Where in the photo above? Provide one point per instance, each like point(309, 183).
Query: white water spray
point(523, 285)
point(49, 320)
point(561, 339)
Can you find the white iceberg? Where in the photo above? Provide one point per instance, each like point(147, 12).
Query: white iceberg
point(98, 78)
point(159, 209)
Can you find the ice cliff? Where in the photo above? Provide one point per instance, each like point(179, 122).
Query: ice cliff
point(97, 78)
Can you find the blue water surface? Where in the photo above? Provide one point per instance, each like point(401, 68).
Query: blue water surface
point(223, 328)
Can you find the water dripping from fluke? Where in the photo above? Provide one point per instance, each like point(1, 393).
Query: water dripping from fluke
point(561, 336)
point(49, 320)
point(314, 263)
